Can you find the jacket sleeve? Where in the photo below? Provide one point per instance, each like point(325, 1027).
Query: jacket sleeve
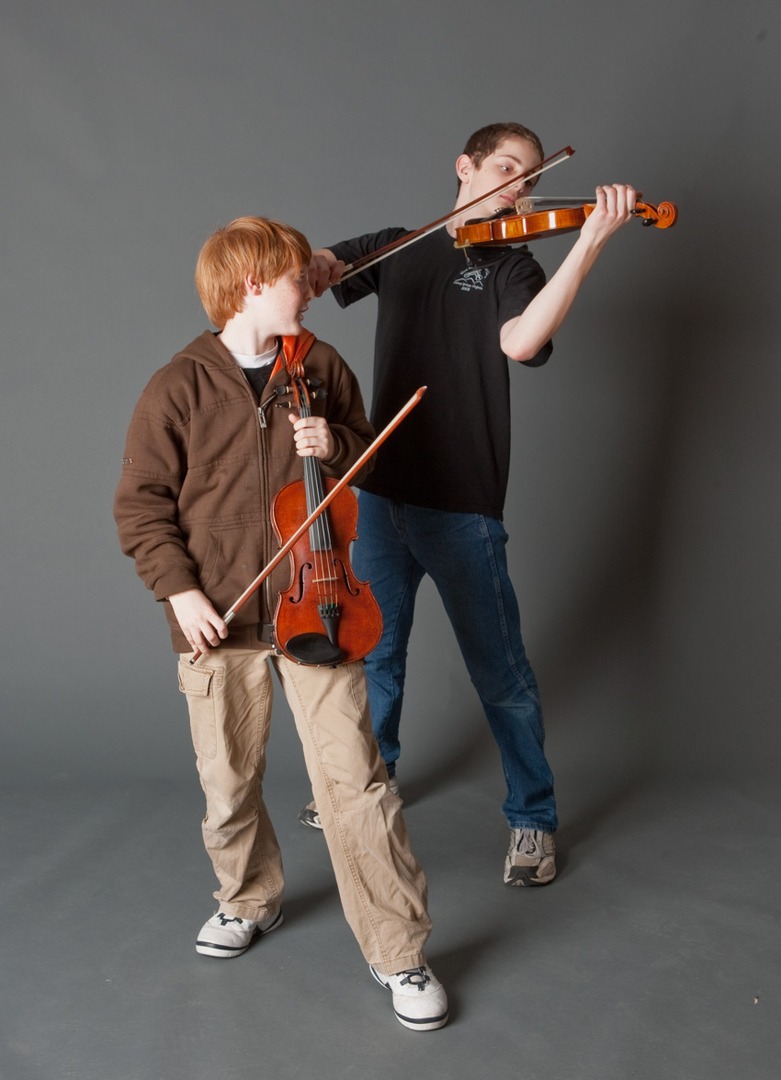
point(146, 501)
point(346, 416)
point(367, 281)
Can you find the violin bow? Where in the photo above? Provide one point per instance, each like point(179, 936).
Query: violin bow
point(418, 234)
point(289, 544)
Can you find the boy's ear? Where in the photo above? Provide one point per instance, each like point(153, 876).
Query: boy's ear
point(252, 287)
point(464, 167)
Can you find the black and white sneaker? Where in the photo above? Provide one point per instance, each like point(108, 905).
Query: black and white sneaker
point(310, 817)
point(226, 935)
point(419, 999)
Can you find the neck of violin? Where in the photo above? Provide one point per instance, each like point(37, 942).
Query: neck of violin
point(320, 531)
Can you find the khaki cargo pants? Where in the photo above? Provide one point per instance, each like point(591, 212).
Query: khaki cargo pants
point(381, 885)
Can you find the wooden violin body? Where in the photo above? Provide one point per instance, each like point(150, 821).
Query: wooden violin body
point(326, 616)
point(507, 229)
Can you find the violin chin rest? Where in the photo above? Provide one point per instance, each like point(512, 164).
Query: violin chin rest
point(314, 649)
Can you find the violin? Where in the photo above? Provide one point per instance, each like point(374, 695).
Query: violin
point(529, 224)
point(326, 616)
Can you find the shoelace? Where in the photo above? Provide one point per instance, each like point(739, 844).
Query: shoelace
point(225, 919)
point(527, 843)
point(415, 977)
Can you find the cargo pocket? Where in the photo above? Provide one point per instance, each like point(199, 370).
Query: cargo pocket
point(200, 686)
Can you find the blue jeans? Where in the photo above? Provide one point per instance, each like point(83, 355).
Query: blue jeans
point(464, 554)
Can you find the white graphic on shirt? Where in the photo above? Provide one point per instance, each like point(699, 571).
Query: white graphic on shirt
point(472, 279)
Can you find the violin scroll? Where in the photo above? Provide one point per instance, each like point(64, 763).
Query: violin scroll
point(663, 216)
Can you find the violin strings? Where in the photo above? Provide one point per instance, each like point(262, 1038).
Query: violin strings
point(319, 539)
point(321, 544)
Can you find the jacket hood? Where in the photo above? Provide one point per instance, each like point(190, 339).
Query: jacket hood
point(207, 349)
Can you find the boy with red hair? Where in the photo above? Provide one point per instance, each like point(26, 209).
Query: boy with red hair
point(207, 450)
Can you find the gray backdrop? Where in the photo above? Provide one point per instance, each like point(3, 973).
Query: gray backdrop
point(643, 505)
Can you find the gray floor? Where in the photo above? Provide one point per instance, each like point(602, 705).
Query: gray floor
point(654, 955)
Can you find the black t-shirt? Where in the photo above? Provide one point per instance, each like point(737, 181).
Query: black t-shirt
point(438, 324)
point(258, 378)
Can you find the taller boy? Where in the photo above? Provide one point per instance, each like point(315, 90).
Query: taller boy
point(207, 451)
point(434, 503)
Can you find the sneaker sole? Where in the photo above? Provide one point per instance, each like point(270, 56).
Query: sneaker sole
point(525, 875)
point(429, 1024)
point(425, 1023)
point(227, 952)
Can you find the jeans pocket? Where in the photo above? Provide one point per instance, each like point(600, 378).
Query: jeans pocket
point(200, 685)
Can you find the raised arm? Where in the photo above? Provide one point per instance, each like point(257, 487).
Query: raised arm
point(522, 337)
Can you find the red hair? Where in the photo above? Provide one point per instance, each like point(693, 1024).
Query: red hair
point(248, 247)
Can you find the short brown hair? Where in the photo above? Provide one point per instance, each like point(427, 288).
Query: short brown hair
point(253, 246)
point(486, 139)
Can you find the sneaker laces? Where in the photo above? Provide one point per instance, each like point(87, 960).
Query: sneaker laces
point(417, 977)
point(225, 919)
point(527, 843)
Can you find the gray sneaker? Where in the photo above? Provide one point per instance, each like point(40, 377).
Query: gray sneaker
point(227, 935)
point(531, 859)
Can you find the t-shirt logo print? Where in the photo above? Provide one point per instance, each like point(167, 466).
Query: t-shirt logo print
point(472, 279)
